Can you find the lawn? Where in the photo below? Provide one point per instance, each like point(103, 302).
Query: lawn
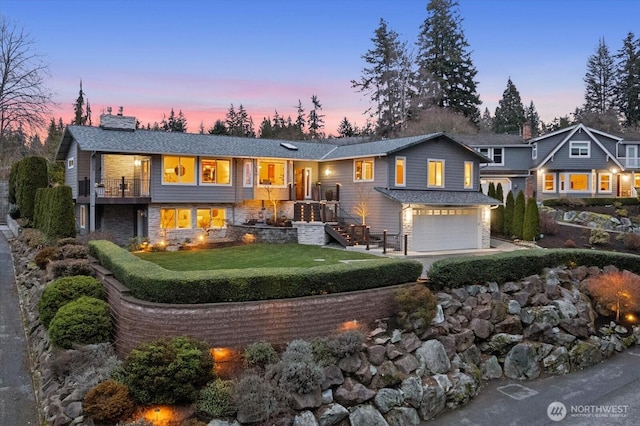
point(252, 256)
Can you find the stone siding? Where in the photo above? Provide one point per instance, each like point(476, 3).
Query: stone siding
point(263, 234)
point(235, 325)
point(118, 220)
point(311, 233)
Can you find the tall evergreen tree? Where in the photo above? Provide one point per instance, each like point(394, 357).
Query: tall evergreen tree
point(443, 54)
point(54, 135)
point(346, 129)
point(509, 116)
point(508, 214)
point(231, 121)
point(80, 113)
point(532, 119)
point(174, 123)
point(518, 215)
point(300, 120)
point(316, 120)
point(628, 81)
point(486, 121)
point(218, 128)
point(600, 92)
point(497, 224)
point(531, 226)
point(386, 79)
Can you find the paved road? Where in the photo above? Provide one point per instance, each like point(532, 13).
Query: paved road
point(612, 385)
point(17, 400)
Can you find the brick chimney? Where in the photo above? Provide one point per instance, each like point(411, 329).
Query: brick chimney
point(117, 122)
point(526, 131)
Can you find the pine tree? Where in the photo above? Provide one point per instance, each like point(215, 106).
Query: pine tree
point(175, 123)
point(443, 54)
point(531, 227)
point(509, 116)
point(345, 129)
point(508, 214)
point(231, 121)
point(54, 135)
point(628, 81)
point(486, 121)
point(532, 119)
point(600, 93)
point(266, 130)
point(498, 213)
point(218, 128)
point(491, 190)
point(387, 80)
point(300, 120)
point(80, 117)
point(316, 120)
point(518, 215)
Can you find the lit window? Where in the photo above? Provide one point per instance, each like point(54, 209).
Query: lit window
point(247, 174)
point(216, 171)
point(179, 169)
point(272, 172)
point(400, 171)
point(468, 174)
point(211, 218)
point(363, 170)
point(604, 182)
point(576, 182)
point(175, 218)
point(83, 216)
point(435, 173)
point(579, 149)
point(549, 184)
point(71, 163)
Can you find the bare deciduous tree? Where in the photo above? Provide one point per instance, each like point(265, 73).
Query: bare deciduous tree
point(25, 99)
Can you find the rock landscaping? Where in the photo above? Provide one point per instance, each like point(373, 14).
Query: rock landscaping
point(542, 324)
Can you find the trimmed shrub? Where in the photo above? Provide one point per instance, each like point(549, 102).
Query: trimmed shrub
point(148, 281)
point(216, 399)
point(68, 241)
point(69, 267)
point(33, 238)
point(80, 322)
point(599, 236)
point(570, 243)
point(517, 224)
point(322, 352)
point(256, 399)
point(296, 377)
point(109, 402)
point(631, 240)
point(43, 256)
point(417, 306)
point(460, 271)
point(346, 343)
point(71, 251)
point(31, 175)
point(14, 212)
point(65, 290)
point(260, 354)
point(531, 226)
point(56, 216)
point(13, 177)
point(298, 351)
point(168, 371)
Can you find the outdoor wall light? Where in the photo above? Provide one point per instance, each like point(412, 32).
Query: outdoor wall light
point(137, 163)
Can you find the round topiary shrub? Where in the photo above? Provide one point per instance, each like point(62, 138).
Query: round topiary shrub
point(81, 322)
point(256, 399)
point(108, 402)
point(168, 371)
point(64, 290)
point(259, 354)
point(416, 306)
point(216, 399)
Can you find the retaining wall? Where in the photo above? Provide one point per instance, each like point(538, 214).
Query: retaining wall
point(235, 325)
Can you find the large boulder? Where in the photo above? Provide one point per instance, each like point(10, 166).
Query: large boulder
point(366, 415)
point(482, 328)
point(584, 354)
point(433, 357)
point(403, 416)
point(464, 387)
point(331, 414)
point(305, 418)
point(520, 363)
point(351, 393)
point(491, 368)
point(557, 362)
point(433, 401)
point(388, 398)
point(412, 391)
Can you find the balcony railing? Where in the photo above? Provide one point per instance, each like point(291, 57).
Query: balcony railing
point(632, 163)
point(115, 188)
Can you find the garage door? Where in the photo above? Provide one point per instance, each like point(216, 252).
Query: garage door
point(445, 229)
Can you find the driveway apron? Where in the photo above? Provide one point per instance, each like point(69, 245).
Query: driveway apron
point(17, 400)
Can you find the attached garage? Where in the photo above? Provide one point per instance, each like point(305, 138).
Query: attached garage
point(446, 228)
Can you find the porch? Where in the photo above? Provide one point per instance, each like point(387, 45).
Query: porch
point(122, 190)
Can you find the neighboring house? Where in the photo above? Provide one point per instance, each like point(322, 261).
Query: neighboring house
point(577, 161)
point(178, 186)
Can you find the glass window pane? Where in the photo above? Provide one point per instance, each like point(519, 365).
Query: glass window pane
point(203, 218)
point(184, 218)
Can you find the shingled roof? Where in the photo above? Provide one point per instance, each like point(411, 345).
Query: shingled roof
point(438, 198)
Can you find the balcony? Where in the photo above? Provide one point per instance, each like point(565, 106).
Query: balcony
point(632, 163)
point(113, 189)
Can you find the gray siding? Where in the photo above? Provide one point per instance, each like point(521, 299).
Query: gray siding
point(562, 160)
point(71, 175)
point(547, 145)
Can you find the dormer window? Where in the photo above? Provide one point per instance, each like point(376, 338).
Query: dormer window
point(580, 149)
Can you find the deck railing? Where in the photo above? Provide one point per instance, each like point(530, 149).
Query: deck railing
point(115, 188)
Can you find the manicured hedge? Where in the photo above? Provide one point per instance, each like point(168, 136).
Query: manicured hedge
point(148, 281)
point(31, 175)
point(54, 212)
point(503, 267)
point(600, 201)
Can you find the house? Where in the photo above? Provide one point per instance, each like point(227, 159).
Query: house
point(178, 187)
point(576, 161)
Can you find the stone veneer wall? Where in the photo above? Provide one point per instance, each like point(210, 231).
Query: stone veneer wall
point(311, 233)
point(263, 234)
point(235, 325)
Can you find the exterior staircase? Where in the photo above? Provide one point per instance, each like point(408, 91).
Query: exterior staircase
point(339, 233)
point(307, 212)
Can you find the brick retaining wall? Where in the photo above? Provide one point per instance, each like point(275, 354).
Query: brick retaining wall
point(235, 325)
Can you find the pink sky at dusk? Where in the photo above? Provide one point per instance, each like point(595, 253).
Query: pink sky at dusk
point(202, 56)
